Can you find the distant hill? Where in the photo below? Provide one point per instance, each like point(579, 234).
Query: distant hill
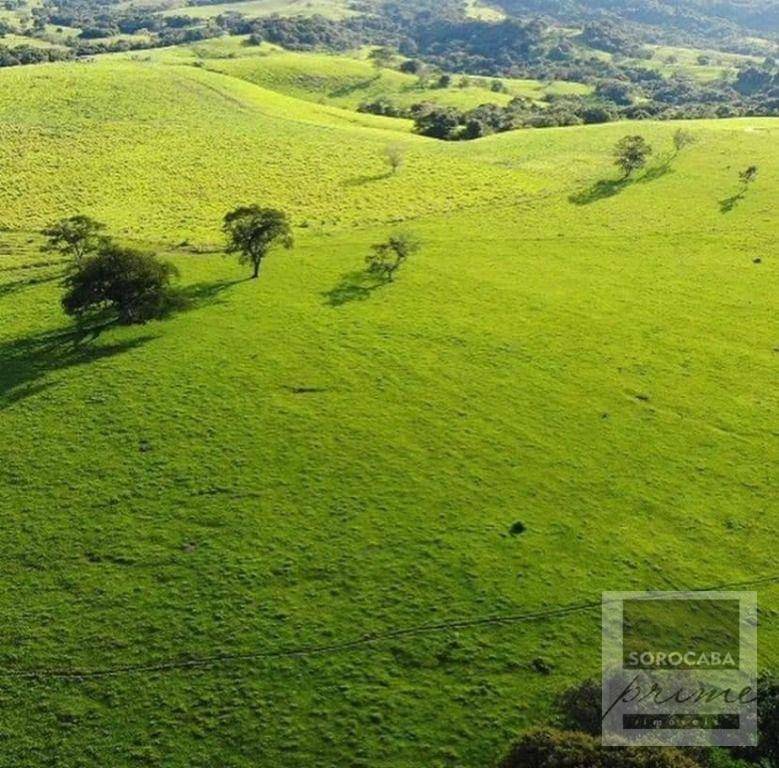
point(663, 18)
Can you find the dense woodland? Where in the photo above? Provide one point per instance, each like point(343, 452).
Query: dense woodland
point(696, 22)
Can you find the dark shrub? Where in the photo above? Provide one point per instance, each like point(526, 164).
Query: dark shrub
point(568, 749)
point(133, 285)
point(580, 708)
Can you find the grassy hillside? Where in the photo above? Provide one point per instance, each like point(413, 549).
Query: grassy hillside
point(700, 64)
point(333, 9)
point(347, 81)
point(309, 460)
point(77, 136)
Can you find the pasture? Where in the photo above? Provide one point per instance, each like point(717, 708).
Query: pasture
point(201, 515)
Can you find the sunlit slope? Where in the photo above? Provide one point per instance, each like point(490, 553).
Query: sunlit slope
point(303, 460)
point(349, 80)
point(183, 145)
point(334, 9)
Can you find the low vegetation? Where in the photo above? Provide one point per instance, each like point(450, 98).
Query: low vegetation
point(613, 60)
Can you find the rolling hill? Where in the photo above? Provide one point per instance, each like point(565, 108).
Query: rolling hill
point(347, 81)
point(275, 529)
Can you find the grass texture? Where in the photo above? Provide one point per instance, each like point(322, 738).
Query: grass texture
point(311, 459)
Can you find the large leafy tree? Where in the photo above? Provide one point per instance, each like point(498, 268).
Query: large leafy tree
point(132, 285)
point(75, 237)
point(253, 231)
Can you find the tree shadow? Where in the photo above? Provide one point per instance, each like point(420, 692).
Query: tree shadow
point(29, 360)
point(729, 203)
point(347, 90)
point(605, 188)
point(655, 172)
point(6, 289)
point(26, 362)
point(600, 190)
point(359, 181)
point(352, 286)
point(202, 294)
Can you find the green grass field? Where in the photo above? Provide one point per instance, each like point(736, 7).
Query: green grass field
point(345, 80)
point(308, 459)
point(484, 11)
point(714, 65)
point(333, 9)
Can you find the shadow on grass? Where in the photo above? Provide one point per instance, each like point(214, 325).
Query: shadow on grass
point(655, 172)
point(6, 289)
point(605, 188)
point(29, 360)
point(352, 286)
point(347, 90)
point(729, 203)
point(201, 295)
point(600, 190)
point(359, 181)
point(26, 362)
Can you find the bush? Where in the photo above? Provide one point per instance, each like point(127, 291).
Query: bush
point(615, 90)
point(767, 751)
point(382, 106)
point(134, 286)
point(596, 114)
point(580, 708)
point(568, 749)
point(437, 122)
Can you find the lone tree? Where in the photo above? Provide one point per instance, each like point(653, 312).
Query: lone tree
point(396, 156)
point(386, 258)
point(749, 175)
point(683, 139)
point(631, 154)
point(133, 285)
point(75, 237)
point(253, 231)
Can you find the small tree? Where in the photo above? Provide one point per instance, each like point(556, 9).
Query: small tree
point(395, 155)
point(253, 231)
point(631, 154)
point(683, 139)
point(134, 285)
point(749, 175)
point(382, 57)
point(75, 237)
point(386, 258)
